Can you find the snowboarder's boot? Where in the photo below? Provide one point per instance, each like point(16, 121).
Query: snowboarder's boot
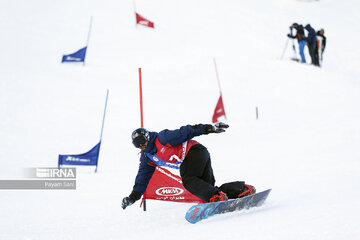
point(248, 190)
point(219, 196)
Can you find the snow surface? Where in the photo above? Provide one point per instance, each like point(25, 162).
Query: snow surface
point(305, 144)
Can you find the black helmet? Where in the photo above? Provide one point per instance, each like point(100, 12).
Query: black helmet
point(140, 136)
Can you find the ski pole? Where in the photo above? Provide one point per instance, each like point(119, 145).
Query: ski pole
point(293, 46)
point(282, 55)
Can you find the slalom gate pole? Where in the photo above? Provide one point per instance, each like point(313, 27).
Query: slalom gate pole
point(102, 125)
point(217, 76)
point(141, 101)
point(103, 121)
point(88, 38)
point(141, 124)
point(134, 5)
point(144, 205)
point(218, 80)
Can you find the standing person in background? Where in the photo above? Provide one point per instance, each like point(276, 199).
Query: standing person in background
point(320, 46)
point(300, 36)
point(311, 43)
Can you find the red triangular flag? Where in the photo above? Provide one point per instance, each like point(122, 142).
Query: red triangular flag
point(143, 21)
point(167, 186)
point(219, 110)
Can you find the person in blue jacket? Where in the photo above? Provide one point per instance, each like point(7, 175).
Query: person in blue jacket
point(311, 43)
point(176, 149)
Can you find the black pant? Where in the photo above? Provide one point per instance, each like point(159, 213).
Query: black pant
point(317, 57)
point(197, 174)
point(313, 54)
point(198, 177)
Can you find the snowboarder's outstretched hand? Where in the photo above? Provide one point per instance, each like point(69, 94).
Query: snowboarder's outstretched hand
point(217, 128)
point(127, 201)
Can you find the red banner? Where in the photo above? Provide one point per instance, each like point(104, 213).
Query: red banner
point(166, 186)
point(219, 110)
point(143, 21)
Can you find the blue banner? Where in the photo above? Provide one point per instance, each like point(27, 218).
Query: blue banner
point(78, 56)
point(161, 163)
point(89, 158)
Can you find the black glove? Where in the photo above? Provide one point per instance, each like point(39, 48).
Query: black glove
point(127, 201)
point(289, 35)
point(217, 128)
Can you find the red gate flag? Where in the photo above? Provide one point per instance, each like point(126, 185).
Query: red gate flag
point(166, 186)
point(219, 110)
point(143, 21)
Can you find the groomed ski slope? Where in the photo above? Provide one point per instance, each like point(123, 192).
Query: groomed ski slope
point(305, 144)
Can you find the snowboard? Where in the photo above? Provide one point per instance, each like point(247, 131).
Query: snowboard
point(203, 211)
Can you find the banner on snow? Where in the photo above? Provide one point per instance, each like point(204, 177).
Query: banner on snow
point(143, 21)
point(219, 110)
point(78, 56)
point(166, 186)
point(89, 158)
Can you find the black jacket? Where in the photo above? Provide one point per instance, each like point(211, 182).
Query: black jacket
point(300, 35)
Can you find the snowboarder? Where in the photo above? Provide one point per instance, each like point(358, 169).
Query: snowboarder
point(176, 149)
point(300, 36)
